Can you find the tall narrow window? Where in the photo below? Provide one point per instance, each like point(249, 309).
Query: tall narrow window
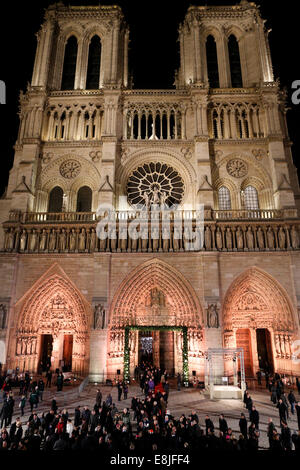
point(69, 69)
point(84, 199)
point(224, 199)
point(235, 62)
point(251, 198)
point(93, 72)
point(212, 62)
point(56, 200)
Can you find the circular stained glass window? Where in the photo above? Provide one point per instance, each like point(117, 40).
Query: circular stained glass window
point(155, 183)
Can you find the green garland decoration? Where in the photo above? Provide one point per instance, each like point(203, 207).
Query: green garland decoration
point(185, 356)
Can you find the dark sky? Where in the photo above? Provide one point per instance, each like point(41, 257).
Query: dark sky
point(153, 52)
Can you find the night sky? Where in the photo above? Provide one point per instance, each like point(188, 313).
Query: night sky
point(153, 55)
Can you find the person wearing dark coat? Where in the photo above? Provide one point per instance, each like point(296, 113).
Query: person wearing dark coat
point(249, 404)
point(16, 431)
point(243, 425)
point(209, 425)
point(282, 410)
point(223, 424)
point(254, 417)
point(54, 405)
point(292, 401)
point(4, 413)
point(77, 417)
point(270, 432)
point(119, 385)
point(98, 398)
point(286, 437)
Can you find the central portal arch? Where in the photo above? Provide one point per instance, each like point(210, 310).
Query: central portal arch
point(155, 294)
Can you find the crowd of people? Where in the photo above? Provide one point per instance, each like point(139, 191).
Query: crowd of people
point(146, 426)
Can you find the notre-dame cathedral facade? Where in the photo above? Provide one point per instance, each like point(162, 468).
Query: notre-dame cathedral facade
point(84, 300)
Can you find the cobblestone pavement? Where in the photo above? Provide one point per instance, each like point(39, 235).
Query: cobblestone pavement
point(183, 401)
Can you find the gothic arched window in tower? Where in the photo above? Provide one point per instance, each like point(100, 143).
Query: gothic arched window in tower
point(155, 183)
point(235, 62)
point(56, 200)
point(70, 60)
point(93, 71)
point(224, 199)
point(84, 199)
point(212, 62)
point(251, 198)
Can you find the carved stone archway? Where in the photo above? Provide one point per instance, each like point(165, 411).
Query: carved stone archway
point(155, 294)
point(255, 300)
point(53, 306)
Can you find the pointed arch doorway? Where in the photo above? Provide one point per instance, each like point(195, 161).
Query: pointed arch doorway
point(258, 316)
point(52, 326)
point(155, 297)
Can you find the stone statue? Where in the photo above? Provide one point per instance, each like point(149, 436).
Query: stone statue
point(52, 240)
point(155, 196)
point(144, 235)
point(250, 239)
point(281, 238)
point(207, 238)
point(33, 240)
point(10, 240)
point(92, 242)
point(123, 239)
point(166, 238)
point(62, 240)
point(81, 245)
point(99, 317)
point(294, 238)
point(228, 239)
point(146, 199)
point(270, 237)
point(72, 240)
point(43, 239)
point(212, 316)
point(239, 239)
point(260, 239)
point(113, 239)
point(176, 239)
point(3, 314)
point(23, 240)
point(155, 239)
point(219, 241)
point(163, 199)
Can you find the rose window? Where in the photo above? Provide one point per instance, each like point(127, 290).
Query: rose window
point(155, 183)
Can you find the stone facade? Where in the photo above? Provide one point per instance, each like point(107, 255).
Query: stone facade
point(226, 148)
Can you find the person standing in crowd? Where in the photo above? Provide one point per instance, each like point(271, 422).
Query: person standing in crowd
point(119, 386)
point(22, 404)
point(41, 388)
point(292, 401)
point(282, 410)
point(298, 413)
point(223, 424)
point(49, 378)
point(209, 425)
point(254, 417)
point(98, 398)
point(125, 390)
point(243, 426)
point(4, 414)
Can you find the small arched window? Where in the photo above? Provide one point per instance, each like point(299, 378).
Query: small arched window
point(84, 199)
point(224, 199)
point(251, 198)
point(212, 62)
point(235, 62)
point(56, 200)
point(69, 68)
point(93, 72)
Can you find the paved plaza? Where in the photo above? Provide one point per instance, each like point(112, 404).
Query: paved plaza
point(183, 401)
